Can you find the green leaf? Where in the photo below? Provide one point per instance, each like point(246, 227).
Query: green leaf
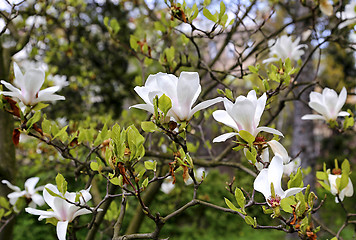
point(54, 194)
point(324, 185)
point(62, 134)
point(145, 183)
point(164, 104)
point(267, 210)
point(52, 221)
point(149, 165)
point(206, 2)
point(114, 24)
point(35, 118)
point(61, 183)
point(46, 126)
point(238, 148)
point(286, 204)
point(248, 137)
point(133, 42)
point(253, 69)
point(148, 126)
point(240, 198)
point(250, 156)
point(249, 220)
point(208, 15)
point(297, 180)
point(222, 9)
point(231, 205)
point(94, 166)
point(344, 181)
point(4, 203)
point(40, 106)
point(117, 181)
point(321, 175)
point(345, 167)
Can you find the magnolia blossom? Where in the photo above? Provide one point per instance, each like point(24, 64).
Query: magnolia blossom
point(328, 104)
point(167, 186)
point(284, 48)
point(62, 210)
point(278, 149)
point(183, 92)
point(273, 175)
point(198, 175)
point(348, 191)
point(292, 166)
point(244, 114)
point(348, 16)
point(28, 87)
point(30, 193)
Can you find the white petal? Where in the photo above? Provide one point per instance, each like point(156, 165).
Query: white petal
point(265, 155)
point(313, 117)
point(12, 187)
point(204, 105)
point(81, 212)
point(349, 189)
point(16, 195)
point(320, 109)
point(275, 172)
point(147, 107)
point(332, 181)
point(278, 148)
point(37, 199)
point(343, 114)
point(341, 100)
point(224, 137)
point(223, 117)
point(30, 184)
point(243, 112)
point(49, 199)
point(10, 87)
point(43, 214)
point(62, 230)
point(269, 130)
point(33, 81)
point(188, 90)
point(292, 191)
point(18, 76)
point(85, 196)
point(260, 107)
point(261, 184)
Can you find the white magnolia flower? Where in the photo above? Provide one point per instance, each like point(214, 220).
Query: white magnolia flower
point(328, 104)
point(273, 174)
point(326, 7)
point(198, 175)
point(28, 87)
point(182, 91)
point(278, 149)
point(348, 16)
point(30, 193)
point(167, 186)
point(292, 166)
point(284, 48)
point(348, 191)
point(244, 114)
point(62, 210)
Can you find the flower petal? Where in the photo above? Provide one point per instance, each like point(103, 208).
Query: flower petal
point(38, 199)
point(30, 184)
point(261, 184)
point(12, 187)
point(292, 191)
point(269, 130)
point(224, 117)
point(278, 148)
point(146, 107)
point(43, 214)
point(33, 81)
point(275, 172)
point(62, 230)
point(188, 90)
point(19, 78)
point(320, 109)
point(224, 137)
point(49, 199)
point(204, 105)
point(341, 100)
point(243, 112)
point(313, 117)
point(343, 114)
point(82, 211)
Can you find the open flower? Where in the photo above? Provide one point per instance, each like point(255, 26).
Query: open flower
point(244, 114)
point(328, 104)
point(28, 87)
point(30, 193)
point(348, 191)
point(348, 16)
point(62, 210)
point(270, 178)
point(182, 91)
point(284, 48)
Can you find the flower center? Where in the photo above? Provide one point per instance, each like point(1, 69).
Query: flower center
point(274, 201)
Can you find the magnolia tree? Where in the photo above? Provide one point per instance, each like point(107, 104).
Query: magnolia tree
point(123, 164)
